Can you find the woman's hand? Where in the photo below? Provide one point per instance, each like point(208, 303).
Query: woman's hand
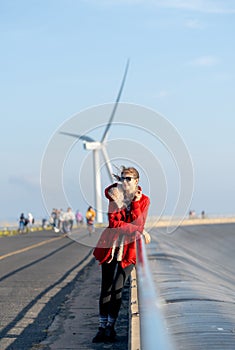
point(138, 195)
point(147, 237)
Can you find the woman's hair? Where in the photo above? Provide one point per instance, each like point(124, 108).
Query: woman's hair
point(130, 170)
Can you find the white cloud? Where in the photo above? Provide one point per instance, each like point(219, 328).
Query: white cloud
point(25, 181)
point(223, 77)
point(208, 6)
point(193, 24)
point(205, 6)
point(162, 94)
point(205, 61)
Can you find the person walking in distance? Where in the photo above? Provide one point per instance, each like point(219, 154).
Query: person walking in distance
point(90, 218)
point(21, 223)
point(116, 248)
point(69, 220)
point(79, 218)
point(30, 221)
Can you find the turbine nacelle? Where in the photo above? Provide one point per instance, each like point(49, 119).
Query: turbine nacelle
point(91, 146)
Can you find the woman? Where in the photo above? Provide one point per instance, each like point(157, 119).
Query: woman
point(116, 248)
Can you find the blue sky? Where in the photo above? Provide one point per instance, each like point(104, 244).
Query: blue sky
point(60, 57)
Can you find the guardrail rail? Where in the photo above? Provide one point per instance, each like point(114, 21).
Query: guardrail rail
point(153, 333)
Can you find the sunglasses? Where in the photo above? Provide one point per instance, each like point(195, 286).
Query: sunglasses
point(127, 178)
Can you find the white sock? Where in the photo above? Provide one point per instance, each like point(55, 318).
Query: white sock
point(111, 321)
point(103, 321)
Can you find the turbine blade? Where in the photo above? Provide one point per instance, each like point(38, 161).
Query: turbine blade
point(81, 137)
point(116, 103)
point(107, 163)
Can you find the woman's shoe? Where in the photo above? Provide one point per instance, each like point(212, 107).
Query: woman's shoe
point(110, 334)
point(100, 336)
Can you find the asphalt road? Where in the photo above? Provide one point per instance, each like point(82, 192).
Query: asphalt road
point(37, 271)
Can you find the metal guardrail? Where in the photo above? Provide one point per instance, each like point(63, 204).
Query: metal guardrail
point(153, 334)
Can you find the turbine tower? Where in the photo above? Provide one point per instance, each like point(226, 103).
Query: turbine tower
point(99, 146)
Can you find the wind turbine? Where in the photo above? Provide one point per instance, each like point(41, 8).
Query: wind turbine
point(100, 146)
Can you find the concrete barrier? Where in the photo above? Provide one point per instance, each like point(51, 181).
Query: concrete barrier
point(154, 222)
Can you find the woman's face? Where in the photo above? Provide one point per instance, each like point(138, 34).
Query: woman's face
point(129, 182)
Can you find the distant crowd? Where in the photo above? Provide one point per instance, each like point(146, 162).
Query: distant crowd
point(64, 220)
point(192, 214)
point(60, 221)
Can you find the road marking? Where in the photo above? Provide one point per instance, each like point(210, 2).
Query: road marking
point(30, 247)
point(31, 315)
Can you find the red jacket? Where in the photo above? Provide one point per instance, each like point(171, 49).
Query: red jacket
point(122, 225)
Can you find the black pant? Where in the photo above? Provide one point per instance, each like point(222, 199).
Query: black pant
point(113, 281)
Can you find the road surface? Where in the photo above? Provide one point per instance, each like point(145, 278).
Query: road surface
point(38, 270)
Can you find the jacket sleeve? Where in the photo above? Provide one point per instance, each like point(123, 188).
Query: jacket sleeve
point(139, 211)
